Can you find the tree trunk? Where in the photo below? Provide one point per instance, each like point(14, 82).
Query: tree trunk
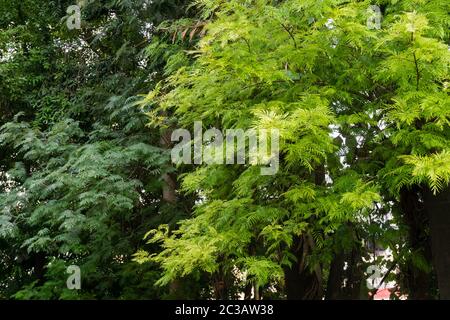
point(355, 276)
point(300, 282)
point(348, 283)
point(418, 281)
point(170, 186)
point(438, 209)
point(220, 285)
point(335, 278)
point(169, 196)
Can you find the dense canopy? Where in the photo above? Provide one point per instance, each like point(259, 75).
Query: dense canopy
point(356, 90)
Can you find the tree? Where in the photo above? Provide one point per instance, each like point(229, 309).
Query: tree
point(357, 93)
point(313, 70)
point(81, 174)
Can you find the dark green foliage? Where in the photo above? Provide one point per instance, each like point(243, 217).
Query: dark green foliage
point(80, 171)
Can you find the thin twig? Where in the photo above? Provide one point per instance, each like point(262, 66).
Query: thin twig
point(290, 34)
point(417, 71)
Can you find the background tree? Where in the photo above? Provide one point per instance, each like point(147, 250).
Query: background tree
point(81, 174)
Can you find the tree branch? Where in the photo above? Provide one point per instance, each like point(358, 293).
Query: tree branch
point(417, 71)
point(290, 34)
